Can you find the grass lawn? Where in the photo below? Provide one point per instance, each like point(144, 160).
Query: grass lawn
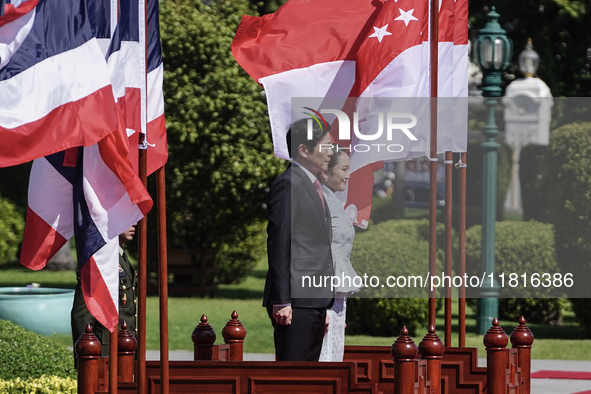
point(566, 342)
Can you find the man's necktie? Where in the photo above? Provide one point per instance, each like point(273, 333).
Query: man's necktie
point(319, 190)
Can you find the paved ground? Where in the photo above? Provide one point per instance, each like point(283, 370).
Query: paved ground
point(539, 386)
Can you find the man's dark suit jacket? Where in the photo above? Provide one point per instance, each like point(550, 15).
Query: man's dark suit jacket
point(299, 239)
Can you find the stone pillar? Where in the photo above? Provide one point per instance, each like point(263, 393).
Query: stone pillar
point(528, 103)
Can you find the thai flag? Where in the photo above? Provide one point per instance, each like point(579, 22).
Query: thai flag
point(90, 192)
point(93, 194)
point(137, 75)
point(55, 88)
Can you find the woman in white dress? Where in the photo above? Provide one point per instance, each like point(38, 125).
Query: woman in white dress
point(335, 179)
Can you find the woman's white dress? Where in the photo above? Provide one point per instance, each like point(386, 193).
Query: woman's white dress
point(333, 346)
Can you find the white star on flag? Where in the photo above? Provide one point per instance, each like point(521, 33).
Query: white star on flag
point(381, 32)
point(406, 16)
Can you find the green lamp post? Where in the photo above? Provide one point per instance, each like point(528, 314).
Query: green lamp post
point(491, 51)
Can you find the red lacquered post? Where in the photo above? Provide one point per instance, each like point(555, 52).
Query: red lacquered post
point(234, 334)
point(431, 349)
point(88, 351)
point(522, 338)
point(404, 352)
point(495, 341)
point(126, 346)
point(203, 339)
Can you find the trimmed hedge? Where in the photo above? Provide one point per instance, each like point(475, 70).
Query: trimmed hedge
point(27, 355)
point(569, 179)
point(385, 317)
point(521, 247)
point(398, 248)
point(533, 167)
point(12, 225)
point(383, 209)
point(42, 385)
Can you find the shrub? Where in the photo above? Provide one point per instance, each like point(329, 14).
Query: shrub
point(42, 385)
point(533, 164)
point(236, 261)
point(383, 209)
point(12, 225)
point(25, 354)
point(386, 316)
point(393, 248)
point(569, 179)
point(521, 247)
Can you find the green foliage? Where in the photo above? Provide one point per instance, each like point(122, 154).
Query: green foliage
point(267, 6)
point(398, 248)
point(386, 316)
point(535, 310)
point(42, 385)
point(383, 209)
point(221, 153)
point(569, 179)
point(521, 247)
point(12, 225)
point(25, 354)
point(533, 165)
point(236, 260)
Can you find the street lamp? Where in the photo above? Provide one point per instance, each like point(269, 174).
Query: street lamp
point(491, 51)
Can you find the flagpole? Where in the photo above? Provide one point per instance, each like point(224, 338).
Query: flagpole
point(162, 280)
point(113, 336)
point(448, 243)
point(462, 252)
point(434, 26)
point(113, 361)
point(142, 278)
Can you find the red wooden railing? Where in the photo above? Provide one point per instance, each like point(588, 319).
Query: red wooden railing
point(404, 368)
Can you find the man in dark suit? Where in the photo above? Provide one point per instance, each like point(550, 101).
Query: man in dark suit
point(298, 248)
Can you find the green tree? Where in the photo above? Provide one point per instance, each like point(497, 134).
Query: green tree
point(267, 6)
point(221, 159)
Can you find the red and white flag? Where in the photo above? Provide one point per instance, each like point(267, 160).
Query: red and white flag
point(55, 88)
point(304, 49)
point(372, 49)
point(139, 32)
point(88, 191)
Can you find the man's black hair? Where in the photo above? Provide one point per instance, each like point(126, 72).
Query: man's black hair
point(298, 135)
